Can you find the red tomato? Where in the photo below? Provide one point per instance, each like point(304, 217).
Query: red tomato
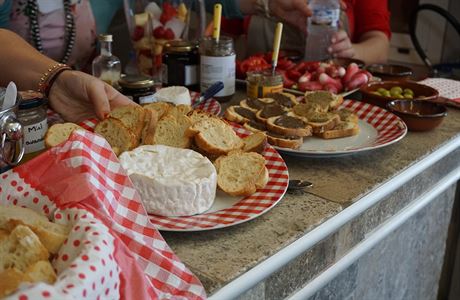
point(254, 63)
point(138, 33)
point(287, 83)
point(285, 64)
point(159, 32)
point(169, 34)
point(168, 13)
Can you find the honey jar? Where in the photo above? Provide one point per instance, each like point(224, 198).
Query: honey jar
point(261, 83)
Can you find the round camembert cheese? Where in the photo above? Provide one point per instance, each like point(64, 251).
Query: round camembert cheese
point(174, 94)
point(171, 181)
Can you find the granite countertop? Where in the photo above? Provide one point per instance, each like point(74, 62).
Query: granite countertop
point(219, 256)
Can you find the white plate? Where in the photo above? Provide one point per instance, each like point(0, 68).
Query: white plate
point(378, 128)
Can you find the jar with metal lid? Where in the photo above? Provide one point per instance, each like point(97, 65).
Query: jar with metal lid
point(217, 63)
point(138, 88)
point(261, 83)
point(33, 117)
point(180, 64)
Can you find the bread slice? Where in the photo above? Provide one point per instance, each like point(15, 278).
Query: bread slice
point(160, 107)
point(271, 110)
point(292, 142)
point(284, 99)
point(10, 279)
point(304, 109)
point(41, 271)
point(347, 115)
point(320, 121)
point(238, 172)
point(170, 131)
point(215, 136)
point(150, 123)
point(197, 115)
point(343, 129)
point(255, 142)
point(290, 125)
point(117, 135)
point(256, 104)
point(21, 249)
point(132, 117)
point(239, 114)
point(52, 235)
point(255, 126)
point(327, 100)
point(59, 133)
point(263, 179)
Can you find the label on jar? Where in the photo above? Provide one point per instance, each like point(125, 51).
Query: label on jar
point(34, 137)
point(191, 74)
point(271, 89)
point(218, 68)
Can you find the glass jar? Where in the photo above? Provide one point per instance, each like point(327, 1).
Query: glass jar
point(138, 88)
point(217, 63)
point(33, 117)
point(261, 83)
point(180, 64)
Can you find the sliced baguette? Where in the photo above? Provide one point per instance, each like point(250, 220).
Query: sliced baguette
point(52, 235)
point(239, 114)
point(59, 133)
point(170, 131)
point(10, 279)
point(304, 109)
point(284, 99)
point(343, 129)
point(256, 104)
point(179, 110)
point(41, 271)
point(320, 121)
point(132, 116)
point(197, 115)
point(347, 115)
point(263, 179)
point(215, 136)
point(271, 110)
point(160, 107)
point(117, 135)
point(255, 142)
point(327, 100)
point(290, 125)
point(21, 249)
point(292, 142)
point(238, 172)
point(255, 126)
point(151, 120)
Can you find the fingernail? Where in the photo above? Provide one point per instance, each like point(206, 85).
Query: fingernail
point(333, 40)
point(329, 50)
point(106, 115)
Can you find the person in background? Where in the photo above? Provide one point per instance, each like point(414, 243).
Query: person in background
point(64, 30)
point(75, 95)
point(364, 34)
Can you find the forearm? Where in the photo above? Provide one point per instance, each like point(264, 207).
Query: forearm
point(372, 48)
point(20, 62)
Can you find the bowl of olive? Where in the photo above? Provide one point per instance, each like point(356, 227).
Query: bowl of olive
point(380, 93)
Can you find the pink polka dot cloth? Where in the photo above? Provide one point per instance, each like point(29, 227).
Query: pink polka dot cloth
point(113, 251)
point(448, 88)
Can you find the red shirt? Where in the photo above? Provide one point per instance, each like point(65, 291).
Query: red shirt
point(367, 15)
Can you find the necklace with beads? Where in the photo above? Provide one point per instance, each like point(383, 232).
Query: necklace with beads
point(69, 37)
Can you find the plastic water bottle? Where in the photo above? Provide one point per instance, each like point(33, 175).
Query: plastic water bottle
point(321, 26)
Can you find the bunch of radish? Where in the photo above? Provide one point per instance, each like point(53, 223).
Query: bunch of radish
point(326, 76)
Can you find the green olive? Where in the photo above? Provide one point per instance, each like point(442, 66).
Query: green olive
point(408, 96)
point(396, 90)
point(408, 91)
point(376, 93)
point(381, 90)
point(395, 93)
point(399, 96)
point(386, 94)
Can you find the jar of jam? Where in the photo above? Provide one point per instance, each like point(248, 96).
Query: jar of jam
point(261, 83)
point(138, 88)
point(217, 63)
point(180, 64)
point(33, 117)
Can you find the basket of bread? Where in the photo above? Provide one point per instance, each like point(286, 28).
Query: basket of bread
point(287, 120)
point(72, 226)
point(174, 152)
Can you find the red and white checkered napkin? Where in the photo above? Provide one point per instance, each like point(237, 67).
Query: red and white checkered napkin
point(447, 88)
point(113, 250)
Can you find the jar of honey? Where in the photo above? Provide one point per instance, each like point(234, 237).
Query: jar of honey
point(261, 83)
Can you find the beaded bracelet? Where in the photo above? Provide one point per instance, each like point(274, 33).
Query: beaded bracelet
point(48, 78)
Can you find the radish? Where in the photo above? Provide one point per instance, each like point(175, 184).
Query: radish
point(356, 81)
point(341, 71)
point(352, 69)
point(305, 77)
point(331, 88)
point(310, 86)
point(327, 80)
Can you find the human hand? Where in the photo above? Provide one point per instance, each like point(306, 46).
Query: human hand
point(294, 12)
point(341, 45)
point(77, 96)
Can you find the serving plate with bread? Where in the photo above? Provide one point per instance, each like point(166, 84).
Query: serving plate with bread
point(319, 124)
point(192, 169)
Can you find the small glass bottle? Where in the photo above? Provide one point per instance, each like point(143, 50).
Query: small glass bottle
point(217, 63)
point(33, 117)
point(106, 66)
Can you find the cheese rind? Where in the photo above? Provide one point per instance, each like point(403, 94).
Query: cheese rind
point(174, 94)
point(171, 181)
